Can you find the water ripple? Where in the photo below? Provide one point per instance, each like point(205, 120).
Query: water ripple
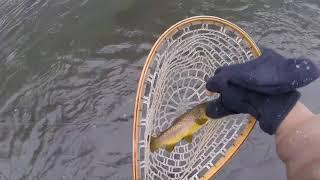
point(69, 71)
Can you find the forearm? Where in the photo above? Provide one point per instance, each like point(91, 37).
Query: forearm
point(298, 143)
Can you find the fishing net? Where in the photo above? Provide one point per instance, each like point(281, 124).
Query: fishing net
point(172, 81)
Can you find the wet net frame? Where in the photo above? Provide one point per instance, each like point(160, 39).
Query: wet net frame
point(173, 80)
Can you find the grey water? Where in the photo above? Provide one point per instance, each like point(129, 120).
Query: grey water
point(69, 71)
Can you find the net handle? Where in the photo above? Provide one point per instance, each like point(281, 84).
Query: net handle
point(240, 140)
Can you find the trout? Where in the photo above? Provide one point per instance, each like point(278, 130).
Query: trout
point(182, 127)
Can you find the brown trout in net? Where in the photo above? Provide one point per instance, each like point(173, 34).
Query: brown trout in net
point(182, 127)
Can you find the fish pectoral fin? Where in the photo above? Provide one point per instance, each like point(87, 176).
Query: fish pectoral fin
point(201, 121)
point(169, 148)
point(188, 138)
point(153, 146)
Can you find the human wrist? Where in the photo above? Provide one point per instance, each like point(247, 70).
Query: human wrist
point(296, 117)
point(298, 114)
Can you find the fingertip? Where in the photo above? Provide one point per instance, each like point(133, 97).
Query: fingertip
point(213, 84)
point(215, 109)
point(210, 93)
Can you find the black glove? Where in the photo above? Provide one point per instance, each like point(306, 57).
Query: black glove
point(265, 88)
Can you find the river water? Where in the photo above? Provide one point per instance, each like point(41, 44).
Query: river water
point(69, 71)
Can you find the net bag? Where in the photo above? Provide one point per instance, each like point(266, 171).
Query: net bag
point(172, 81)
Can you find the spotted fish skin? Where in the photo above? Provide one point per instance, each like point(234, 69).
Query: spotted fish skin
point(182, 127)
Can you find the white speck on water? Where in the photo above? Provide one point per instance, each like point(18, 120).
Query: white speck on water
point(267, 6)
point(15, 110)
point(308, 67)
point(297, 66)
point(94, 126)
point(124, 115)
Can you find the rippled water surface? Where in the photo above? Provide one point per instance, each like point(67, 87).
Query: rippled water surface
point(69, 71)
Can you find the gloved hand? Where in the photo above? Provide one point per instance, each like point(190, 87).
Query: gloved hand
point(264, 87)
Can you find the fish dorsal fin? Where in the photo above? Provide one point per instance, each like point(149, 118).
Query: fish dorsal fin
point(169, 148)
point(188, 138)
point(201, 121)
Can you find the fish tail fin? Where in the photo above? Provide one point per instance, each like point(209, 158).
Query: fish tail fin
point(153, 146)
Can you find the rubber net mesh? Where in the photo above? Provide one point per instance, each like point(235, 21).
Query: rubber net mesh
point(176, 82)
